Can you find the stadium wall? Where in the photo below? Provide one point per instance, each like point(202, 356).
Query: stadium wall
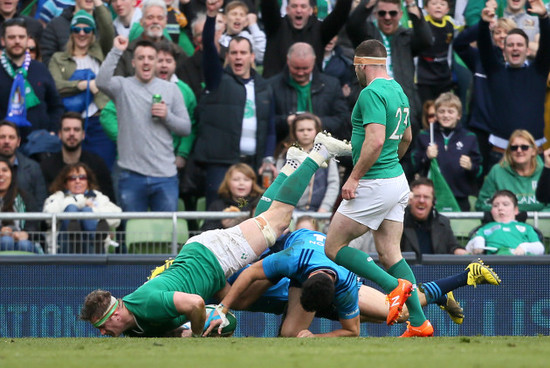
point(41, 296)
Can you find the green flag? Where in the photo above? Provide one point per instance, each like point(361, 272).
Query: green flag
point(446, 201)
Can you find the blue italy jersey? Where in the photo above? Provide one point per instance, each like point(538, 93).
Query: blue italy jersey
point(304, 253)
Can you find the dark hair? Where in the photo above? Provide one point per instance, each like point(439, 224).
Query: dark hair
point(304, 116)
point(95, 305)
point(397, 2)
point(37, 48)
point(373, 48)
point(10, 124)
point(18, 21)
point(146, 43)
point(425, 108)
point(505, 193)
point(239, 39)
point(9, 198)
point(317, 293)
point(422, 181)
point(520, 32)
point(71, 115)
point(61, 179)
point(168, 47)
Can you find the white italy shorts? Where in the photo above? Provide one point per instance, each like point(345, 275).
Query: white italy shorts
point(229, 246)
point(378, 200)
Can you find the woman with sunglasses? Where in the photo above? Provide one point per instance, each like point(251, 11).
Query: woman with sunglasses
point(14, 233)
point(518, 171)
point(74, 71)
point(75, 190)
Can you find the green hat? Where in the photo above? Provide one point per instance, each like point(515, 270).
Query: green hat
point(83, 17)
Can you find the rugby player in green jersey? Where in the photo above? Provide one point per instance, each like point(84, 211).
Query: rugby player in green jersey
point(200, 270)
point(377, 192)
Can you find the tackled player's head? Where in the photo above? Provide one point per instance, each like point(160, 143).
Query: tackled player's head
point(317, 292)
point(95, 305)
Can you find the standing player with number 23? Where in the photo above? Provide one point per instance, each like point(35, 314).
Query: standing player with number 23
point(377, 192)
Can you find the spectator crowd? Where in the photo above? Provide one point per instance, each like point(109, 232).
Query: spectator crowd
point(138, 105)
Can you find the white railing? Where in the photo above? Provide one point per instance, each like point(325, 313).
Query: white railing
point(197, 215)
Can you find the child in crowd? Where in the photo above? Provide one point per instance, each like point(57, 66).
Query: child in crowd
point(238, 192)
point(505, 235)
point(240, 22)
point(323, 189)
point(434, 64)
point(456, 150)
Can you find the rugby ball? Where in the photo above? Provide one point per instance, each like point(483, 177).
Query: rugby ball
point(227, 330)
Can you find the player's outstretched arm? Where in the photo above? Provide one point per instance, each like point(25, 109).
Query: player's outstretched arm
point(350, 328)
point(192, 306)
point(245, 279)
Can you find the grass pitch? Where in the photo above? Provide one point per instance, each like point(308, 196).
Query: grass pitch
point(468, 352)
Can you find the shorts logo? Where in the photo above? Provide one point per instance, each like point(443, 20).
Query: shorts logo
point(244, 256)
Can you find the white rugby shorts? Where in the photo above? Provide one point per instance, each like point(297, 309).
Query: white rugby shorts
point(229, 246)
point(378, 200)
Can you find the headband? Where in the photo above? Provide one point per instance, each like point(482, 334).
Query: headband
point(108, 313)
point(369, 60)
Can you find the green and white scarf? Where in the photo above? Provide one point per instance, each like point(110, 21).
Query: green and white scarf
point(31, 99)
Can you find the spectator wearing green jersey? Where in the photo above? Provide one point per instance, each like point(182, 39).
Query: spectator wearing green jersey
point(505, 235)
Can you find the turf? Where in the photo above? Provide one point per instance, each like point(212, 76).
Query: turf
point(469, 352)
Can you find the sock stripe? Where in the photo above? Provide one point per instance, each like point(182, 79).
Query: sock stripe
point(432, 289)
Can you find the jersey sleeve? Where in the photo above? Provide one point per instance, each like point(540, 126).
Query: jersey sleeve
point(373, 107)
point(279, 265)
point(347, 300)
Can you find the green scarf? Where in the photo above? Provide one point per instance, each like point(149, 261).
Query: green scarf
point(303, 94)
point(31, 99)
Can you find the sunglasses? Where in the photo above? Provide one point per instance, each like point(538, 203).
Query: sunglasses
point(75, 177)
point(15, 22)
point(431, 116)
point(523, 147)
point(31, 49)
point(392, 13)
point(86, 30)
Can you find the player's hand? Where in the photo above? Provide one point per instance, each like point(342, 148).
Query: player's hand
point(305, 333)
point(465, 162)
point(216, 319)
point(547, 158)
point(120, 42)
point(349, 188)
point(159, 110)
point(432, 151)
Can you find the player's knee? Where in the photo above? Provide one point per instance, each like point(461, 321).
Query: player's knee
point(331, 251)
point(269, 233)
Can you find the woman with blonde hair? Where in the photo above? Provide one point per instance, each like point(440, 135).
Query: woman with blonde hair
point(518, 171)
point(74, 71)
